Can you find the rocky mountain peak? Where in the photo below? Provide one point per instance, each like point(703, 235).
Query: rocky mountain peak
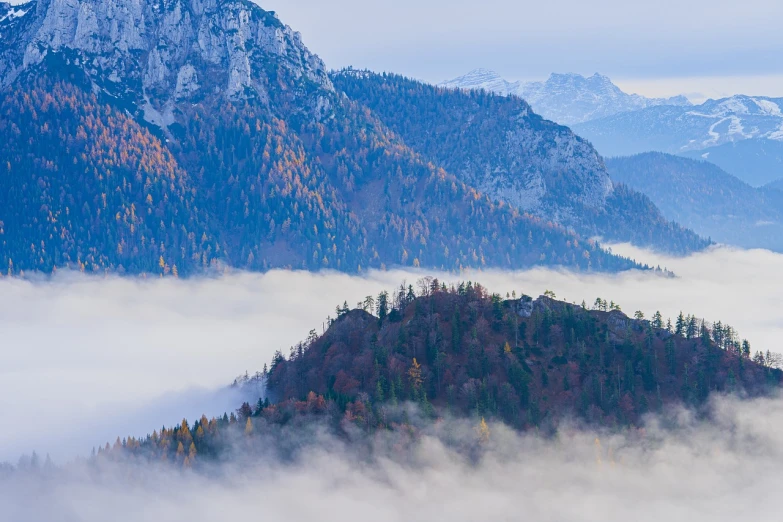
point(567, 98)
point(160, 52)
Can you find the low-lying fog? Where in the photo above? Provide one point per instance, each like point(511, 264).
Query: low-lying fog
point(86, 358)
point(680, 470)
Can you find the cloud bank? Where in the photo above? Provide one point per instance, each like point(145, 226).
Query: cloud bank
point(676, 468)
point(100, 357)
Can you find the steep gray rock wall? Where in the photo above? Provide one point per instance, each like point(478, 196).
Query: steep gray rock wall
point(538, 167)
point(159, 53)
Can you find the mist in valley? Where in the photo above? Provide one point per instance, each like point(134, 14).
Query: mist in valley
point(674, 468)
point(87, 358)
point(106, 356)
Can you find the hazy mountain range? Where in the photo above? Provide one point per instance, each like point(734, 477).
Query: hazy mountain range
point(565, 98)
point(741, 134)
point(776, 185)
point(705, 198)
point(175, 136)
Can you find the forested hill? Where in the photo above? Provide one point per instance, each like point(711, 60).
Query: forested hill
point(463, 353)
point(521, 360)
point(132, 142)
point(498, 144)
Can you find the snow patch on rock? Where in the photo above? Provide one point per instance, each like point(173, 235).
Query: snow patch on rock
point(14, 13)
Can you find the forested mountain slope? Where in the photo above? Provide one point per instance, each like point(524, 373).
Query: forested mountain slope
point(703, 197)
point(106, 193)
point(499, 145)
point(177, 136)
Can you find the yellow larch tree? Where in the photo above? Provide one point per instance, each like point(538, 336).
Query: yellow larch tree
point(414, 374)
point(483, 431)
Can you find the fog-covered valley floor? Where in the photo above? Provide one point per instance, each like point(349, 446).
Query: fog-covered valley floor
point(101, 356)
point(675, 468)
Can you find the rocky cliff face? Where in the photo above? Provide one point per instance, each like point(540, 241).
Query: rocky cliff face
point(485, 79)
point(160, 53)
point(571, 169)
point(538, 168)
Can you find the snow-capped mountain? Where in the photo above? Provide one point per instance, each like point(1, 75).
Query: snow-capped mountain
point(572, 98)
point(565, 98)
point(742, 134)
point(9, 12)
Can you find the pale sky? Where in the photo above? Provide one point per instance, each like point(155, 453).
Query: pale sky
point(712, 47)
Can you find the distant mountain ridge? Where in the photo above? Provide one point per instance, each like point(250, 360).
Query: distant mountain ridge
point(741, 134)
point(565, 98)
point(706, 199)
point(775, 185)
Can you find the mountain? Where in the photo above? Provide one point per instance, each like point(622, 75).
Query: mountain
point(756, 161)
point(565, 98)
point(705, 198)
point(741, 134)
point(174, 136)
point(499, 145)
point(775, 185)
point(461, 353)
